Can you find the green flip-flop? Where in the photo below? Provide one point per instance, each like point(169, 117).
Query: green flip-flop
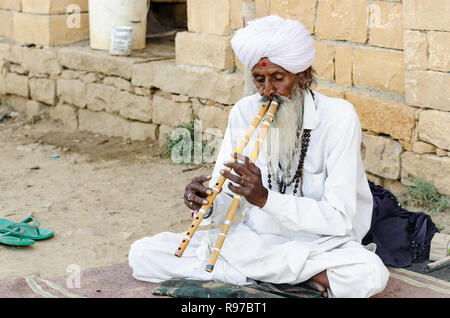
point(25, 230)
point(14, 239)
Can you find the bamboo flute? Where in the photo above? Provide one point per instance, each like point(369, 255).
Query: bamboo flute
point(218, 185)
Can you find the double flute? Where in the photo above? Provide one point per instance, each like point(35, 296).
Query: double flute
point(268, 109)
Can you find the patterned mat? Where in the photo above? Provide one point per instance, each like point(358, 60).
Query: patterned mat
point(409, 284)
point(116, 282)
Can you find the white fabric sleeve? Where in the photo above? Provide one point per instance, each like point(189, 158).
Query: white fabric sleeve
point(335, 212)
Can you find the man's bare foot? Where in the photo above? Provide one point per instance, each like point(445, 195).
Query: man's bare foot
point(317, 287)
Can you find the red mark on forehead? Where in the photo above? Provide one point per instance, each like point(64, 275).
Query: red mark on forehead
point(263, 64)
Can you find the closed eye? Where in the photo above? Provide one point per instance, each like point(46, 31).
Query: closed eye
point(278, 77)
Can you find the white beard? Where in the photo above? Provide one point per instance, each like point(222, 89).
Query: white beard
point(283, 137)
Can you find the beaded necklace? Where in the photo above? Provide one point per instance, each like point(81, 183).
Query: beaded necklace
point(298, 177)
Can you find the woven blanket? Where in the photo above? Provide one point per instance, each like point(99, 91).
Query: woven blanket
point(117, 282)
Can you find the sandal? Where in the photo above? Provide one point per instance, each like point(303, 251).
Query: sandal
point(14, 239)
point(25, 230)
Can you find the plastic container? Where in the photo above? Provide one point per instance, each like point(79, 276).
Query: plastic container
point(105, 15)
point(121, 40)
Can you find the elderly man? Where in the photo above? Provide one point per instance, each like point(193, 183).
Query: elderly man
point(303, 219)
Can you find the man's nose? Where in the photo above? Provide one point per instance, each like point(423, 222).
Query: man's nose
point(269, 89)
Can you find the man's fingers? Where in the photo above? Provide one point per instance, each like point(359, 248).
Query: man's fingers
point(238, 190)
point(247, 162)
point(239, 168)
point(232, 177)
point(195, 198)
point(192, 205)
point(200, 179)
point(194, 191)
point(196, 185)
point(241, 157)
point(199, 188)
point(199, 200)
point(253, 168)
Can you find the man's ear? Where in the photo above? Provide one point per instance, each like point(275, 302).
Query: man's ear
point(304, 77)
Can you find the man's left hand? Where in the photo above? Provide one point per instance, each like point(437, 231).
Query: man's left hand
point(249, 180)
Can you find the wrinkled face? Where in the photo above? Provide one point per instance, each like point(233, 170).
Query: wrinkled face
point(273, 80)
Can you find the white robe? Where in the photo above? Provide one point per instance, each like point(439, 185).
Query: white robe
point(291, 238)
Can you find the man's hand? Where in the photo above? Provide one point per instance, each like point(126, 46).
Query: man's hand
point(195, 193)
point(249, 180)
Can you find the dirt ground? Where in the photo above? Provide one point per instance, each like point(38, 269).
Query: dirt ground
point(99, 196)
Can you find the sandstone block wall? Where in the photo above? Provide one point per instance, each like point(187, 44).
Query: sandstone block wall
point(44, 22)
point(388, 58)
point(135, 97)
point(427, 82)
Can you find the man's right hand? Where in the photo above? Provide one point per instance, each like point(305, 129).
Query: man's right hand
point(195, 193)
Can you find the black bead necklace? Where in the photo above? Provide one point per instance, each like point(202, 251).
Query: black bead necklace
point(298, 177)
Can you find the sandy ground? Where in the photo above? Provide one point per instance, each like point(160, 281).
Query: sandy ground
point(101, 195)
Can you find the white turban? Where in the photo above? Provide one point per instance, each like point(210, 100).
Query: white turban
point(286, 43)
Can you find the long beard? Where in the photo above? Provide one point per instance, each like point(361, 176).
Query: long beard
point(283, 137)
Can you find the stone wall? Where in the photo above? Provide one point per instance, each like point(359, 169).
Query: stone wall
point(427, 83)
point(140, 97)
point(44, 22)
point(388, 58)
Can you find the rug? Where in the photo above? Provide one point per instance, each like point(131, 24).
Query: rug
point(116, 281)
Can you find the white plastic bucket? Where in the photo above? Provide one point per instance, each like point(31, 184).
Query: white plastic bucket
point(105, 15)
